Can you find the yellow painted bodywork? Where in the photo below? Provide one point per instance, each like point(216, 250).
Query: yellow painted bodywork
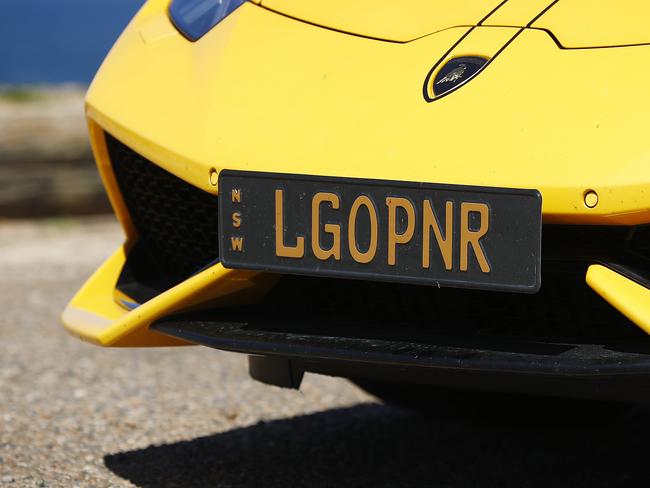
point(517, 12)
point(628, 297)
point(400, 21)
point(239, 104)
point(266, 92)
point(589, 23)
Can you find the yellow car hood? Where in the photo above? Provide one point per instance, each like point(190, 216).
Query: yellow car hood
point(605, 23)
point(391, 20)
point(263, 92)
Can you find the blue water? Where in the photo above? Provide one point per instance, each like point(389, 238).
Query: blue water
point(58, 41)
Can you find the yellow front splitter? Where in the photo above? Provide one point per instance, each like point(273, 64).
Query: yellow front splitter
point(627, 296)
point(94, 316)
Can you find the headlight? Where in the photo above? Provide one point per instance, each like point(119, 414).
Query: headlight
point(193, 18)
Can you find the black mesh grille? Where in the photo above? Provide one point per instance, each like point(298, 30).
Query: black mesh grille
point(177, 223)
point(564, 309)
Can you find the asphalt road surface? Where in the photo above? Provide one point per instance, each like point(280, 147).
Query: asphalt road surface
point(72, 414)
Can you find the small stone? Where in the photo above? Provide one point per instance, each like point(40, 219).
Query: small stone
point(41, 483)
point(8, 478)
point(79, 393)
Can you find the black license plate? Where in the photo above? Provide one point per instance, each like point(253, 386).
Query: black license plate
point(434, 234)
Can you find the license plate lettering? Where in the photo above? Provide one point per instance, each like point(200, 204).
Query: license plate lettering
point(443, 242)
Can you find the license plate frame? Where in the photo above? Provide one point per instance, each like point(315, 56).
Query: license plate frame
point(511, 245)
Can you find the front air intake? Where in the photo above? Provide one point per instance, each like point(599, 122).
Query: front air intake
point(176, 222)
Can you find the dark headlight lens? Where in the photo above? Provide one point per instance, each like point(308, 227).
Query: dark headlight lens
point(193, 18)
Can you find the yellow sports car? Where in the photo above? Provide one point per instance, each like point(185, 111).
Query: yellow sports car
point(427, 193)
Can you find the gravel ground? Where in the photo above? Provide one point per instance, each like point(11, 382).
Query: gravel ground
point(72, 414)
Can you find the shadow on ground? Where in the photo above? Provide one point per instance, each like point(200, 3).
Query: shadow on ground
point(374, 445)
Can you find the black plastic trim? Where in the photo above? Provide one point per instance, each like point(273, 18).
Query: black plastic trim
point(240, 330)
point(519, 363)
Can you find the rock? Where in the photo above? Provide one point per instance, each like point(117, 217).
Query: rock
point(46, 165)
point(47, 123)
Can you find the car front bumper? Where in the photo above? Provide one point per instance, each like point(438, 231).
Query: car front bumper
point(263, 92)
